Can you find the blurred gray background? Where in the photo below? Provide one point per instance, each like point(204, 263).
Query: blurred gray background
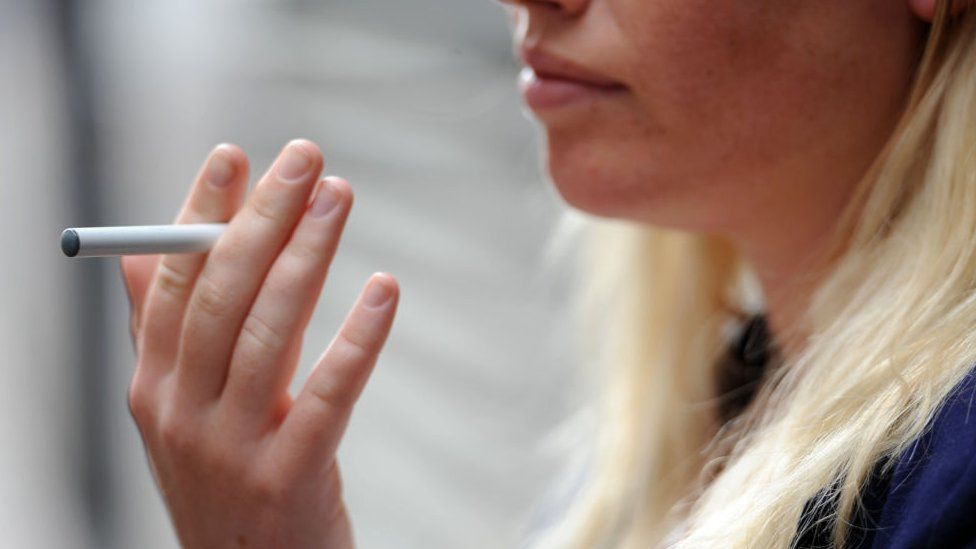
point(109, 106)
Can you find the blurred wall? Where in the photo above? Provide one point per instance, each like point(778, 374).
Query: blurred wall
point(415, 104)
point(41, 476)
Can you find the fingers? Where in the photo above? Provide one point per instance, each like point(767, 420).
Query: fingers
point(215, 197)
point(262, 363)
point(313, 427)
point(236, 267)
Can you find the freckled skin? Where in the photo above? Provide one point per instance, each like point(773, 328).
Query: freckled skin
point(735, 106)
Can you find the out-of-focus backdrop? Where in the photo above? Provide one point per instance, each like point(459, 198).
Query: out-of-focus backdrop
point(107, 108)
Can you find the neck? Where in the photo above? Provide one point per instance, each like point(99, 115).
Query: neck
point(787, 288)
point(790, 255)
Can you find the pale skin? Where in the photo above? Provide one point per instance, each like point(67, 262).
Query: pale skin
point(238, 461)
point(749, 119)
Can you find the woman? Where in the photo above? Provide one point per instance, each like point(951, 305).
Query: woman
point(808, 165)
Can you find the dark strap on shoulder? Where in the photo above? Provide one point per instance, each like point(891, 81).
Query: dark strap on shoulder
point(741, 368)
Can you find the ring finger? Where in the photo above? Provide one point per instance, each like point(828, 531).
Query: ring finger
point(262, 363)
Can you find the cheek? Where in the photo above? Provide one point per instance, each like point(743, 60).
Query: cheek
point(660, 146)
point(726, 94)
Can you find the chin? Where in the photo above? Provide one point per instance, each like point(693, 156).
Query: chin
point(595, 177)
point(584, 176)
point(624, 180)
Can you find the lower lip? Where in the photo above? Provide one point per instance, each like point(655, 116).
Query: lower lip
point(543, 94)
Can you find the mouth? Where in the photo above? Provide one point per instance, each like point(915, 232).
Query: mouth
point(549, 82)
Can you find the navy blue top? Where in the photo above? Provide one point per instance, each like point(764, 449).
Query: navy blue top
point(928, 497)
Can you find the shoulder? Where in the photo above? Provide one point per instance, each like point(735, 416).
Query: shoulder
point(931, 492)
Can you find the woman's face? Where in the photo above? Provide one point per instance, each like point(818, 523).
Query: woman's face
point(704, 114)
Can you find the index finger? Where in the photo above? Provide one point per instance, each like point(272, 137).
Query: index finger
point(216, 195)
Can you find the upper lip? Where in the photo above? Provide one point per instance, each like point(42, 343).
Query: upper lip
point(548, 65)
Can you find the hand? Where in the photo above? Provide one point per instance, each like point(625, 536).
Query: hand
point(238, 461)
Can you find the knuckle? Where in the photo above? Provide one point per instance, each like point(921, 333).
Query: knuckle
point(286, 278)
point(139, 404)
point(177, 436)
point(265, 208)
point(355, 347)
point(173, 281)
point(333, 394)
point(306, 249)
point(261, 333)
point(265, 494)
point(267, 488)
point(211, 298)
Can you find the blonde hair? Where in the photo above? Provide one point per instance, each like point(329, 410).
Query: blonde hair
point(891, 334)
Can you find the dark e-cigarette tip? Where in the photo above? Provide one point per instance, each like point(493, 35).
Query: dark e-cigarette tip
point(70, 243)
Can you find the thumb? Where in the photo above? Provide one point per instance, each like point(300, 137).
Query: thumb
point(137, 272)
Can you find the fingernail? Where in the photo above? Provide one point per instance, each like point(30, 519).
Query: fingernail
point(325, 200)
point(293, 164)
point(219, 170)
point(377, 294)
